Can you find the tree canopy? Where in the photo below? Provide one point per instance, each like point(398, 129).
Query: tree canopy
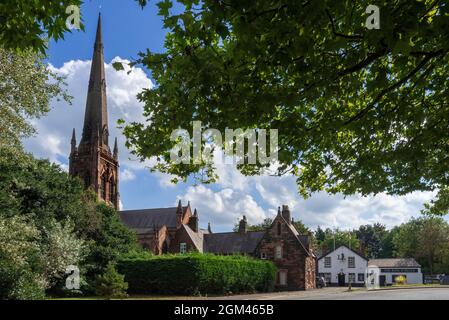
point(28, 25)
point(358, 110)
point(26, 87)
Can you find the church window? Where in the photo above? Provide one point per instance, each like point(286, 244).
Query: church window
point(279, 228)
point(103, 187)
point(111, 191)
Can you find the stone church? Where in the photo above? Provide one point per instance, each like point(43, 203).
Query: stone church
point(176, 229)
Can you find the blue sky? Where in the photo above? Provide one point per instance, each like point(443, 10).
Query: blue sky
point(127, 29)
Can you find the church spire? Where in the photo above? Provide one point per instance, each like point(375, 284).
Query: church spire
point(73, 141)
point(115, 149)
point(96, 115)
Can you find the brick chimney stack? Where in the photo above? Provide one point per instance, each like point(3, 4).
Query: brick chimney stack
point(286, 214)
point(193, 221)
point(243, 225)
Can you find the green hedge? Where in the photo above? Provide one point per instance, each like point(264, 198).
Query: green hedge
point(196, 273)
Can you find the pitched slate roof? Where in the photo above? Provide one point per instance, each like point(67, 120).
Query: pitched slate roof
point(328, 253)
point(144, 220)
point(302, 239)
point(196, 237)
point(394, 263)
point(232, 242)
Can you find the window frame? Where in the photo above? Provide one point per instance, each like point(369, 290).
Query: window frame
point(328, 262)
point(360, 277)
point(351, 266)
point(182, 247)
point(285, 273)
point(278, 252)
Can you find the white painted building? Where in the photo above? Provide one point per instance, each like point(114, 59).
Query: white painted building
point(342, 266)
point(389, 269)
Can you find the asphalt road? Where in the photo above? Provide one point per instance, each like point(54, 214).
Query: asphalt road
point(357, 294)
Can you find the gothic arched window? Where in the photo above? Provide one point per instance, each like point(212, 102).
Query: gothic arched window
point(279, 228)
point(111, 190)
point(103, 186)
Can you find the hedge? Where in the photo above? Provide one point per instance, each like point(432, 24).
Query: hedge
point(195, 273)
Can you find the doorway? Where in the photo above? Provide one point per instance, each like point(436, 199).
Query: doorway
point(382, 280)
point(341, 279)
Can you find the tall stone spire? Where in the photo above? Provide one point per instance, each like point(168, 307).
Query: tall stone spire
point(93, 162)
point(96, 115)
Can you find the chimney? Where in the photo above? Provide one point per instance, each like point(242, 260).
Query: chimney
point(193, 221)
point(179, 214)
point(243, 225)
point(286, 214)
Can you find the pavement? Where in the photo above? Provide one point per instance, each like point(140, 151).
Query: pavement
point(411, 293)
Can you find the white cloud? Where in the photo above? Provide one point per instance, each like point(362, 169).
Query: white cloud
point(127, 175)
point(223, 208)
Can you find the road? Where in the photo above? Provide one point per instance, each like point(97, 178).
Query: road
point(357, 294)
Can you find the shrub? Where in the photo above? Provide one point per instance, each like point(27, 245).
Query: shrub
point(111, 284)
point(196, 273)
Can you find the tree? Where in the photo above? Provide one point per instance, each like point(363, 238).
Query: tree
point(427, 240)
point(50, 201)
point(111, 284)
point(28, 24)
point(19, 252)
point(358, 110)
point(371, 238)
point(267, 222)
point(336, 238)
point(26, 87)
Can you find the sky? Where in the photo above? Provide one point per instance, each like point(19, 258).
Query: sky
point(127, 30)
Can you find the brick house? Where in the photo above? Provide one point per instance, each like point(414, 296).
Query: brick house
point(176, 229)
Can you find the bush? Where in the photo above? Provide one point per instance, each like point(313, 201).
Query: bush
point(196, 273)
point(111, 284)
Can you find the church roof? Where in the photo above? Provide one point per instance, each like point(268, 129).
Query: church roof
point(232, 242)
point(144, 220)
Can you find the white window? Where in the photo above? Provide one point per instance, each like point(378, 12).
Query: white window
point(278, 252)
point(361, 277)
point(351, 262)
point(282, 277)
point(263, 255)
point(182, 247)
point(327, 262)
point(351, 277)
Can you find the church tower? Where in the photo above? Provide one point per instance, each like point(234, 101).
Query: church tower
point(93, 160)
